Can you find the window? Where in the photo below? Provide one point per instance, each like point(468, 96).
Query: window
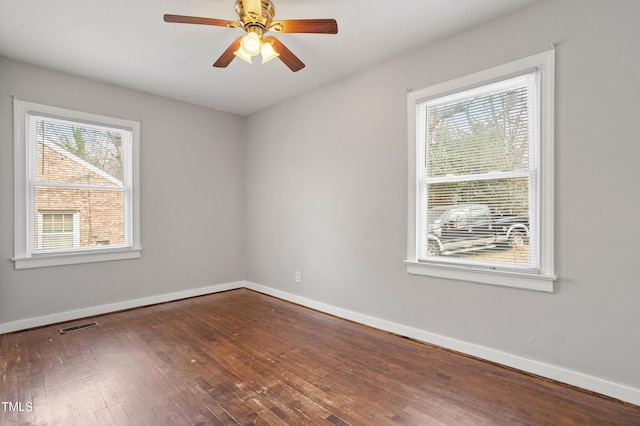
point(76, 187)
point(58, 230)
point(481, 177)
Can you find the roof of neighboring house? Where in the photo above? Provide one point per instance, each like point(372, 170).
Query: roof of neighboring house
point(82, 162)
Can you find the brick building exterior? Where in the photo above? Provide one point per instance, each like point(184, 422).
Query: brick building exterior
point(75, 217)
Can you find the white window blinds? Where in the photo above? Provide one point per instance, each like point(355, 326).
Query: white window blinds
point(478, 176)
point(77, 167)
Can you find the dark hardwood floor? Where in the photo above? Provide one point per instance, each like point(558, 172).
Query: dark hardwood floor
point(241, 357)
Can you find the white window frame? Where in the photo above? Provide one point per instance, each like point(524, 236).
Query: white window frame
point(25, 256)
point(542, 279)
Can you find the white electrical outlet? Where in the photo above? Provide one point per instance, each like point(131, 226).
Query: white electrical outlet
point(298, 279)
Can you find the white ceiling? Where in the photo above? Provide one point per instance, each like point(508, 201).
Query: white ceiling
point(126, 42)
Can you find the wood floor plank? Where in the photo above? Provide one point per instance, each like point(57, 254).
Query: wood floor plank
point(240, 358)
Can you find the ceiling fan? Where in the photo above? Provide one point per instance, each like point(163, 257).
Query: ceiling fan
point(256, 18)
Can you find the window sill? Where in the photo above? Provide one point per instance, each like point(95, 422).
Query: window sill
point(74, 258)
point(521, 280)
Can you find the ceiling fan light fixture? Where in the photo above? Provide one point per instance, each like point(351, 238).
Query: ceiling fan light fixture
point(268, 53)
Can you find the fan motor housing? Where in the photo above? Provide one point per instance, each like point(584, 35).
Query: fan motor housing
point(248, 18)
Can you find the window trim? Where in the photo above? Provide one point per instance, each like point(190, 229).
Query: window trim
point(544, 64)
point(23, 256)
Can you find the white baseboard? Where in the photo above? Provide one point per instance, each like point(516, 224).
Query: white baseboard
point(24, 324)
point(574, 378)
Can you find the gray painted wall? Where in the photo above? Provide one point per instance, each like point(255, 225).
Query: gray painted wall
point(326, 193)
point(192, 202)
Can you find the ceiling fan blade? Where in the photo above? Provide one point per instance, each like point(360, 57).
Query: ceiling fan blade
point(180, 19)
point(227, 56)
point(253, 8)
point(286, 55)
point(309, 26)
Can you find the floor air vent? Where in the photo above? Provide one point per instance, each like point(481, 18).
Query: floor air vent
point(78, 327)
